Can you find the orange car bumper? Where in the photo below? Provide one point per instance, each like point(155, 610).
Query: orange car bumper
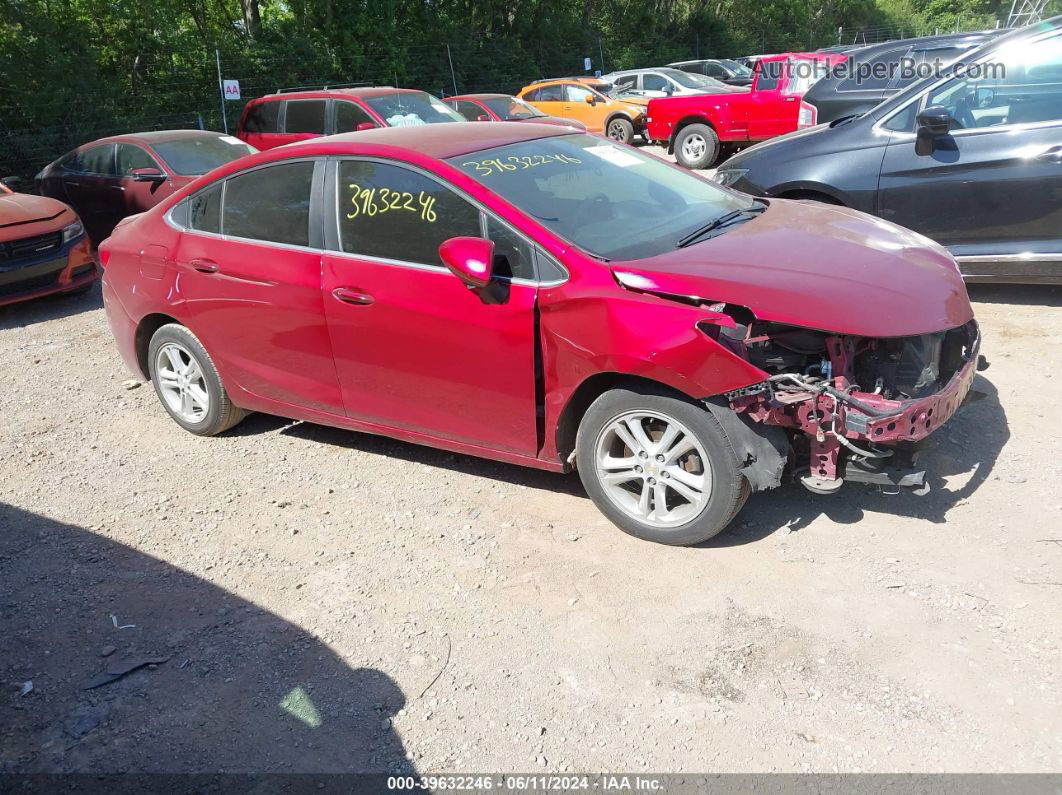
point(70, 268)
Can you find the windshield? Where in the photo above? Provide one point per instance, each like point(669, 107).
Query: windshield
point(740, 70)
point(190, 157)
point(409, 109)
point(687, 80)
point(609, 200)
point(512, 109)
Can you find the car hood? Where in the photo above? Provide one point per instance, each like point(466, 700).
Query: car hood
point(554, 120)
point(25, 215)
point(818, 267)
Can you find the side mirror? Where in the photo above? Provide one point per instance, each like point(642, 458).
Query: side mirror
point(669, 89)
point(482, 117)
point(12, 182)
point(471, 259)
point(591, 99)
point(933, 122)
point(986, 97)
point(365, 125)
point(147, 175)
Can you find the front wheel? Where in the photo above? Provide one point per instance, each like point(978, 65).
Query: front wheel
point(659, 466)
point(696, 146)
point(620, 129)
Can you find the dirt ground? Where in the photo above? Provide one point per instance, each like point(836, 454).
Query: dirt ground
point(329, 601)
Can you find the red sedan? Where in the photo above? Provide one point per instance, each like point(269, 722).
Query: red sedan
point(551, 299)
point(108, 179)
point(503, 107)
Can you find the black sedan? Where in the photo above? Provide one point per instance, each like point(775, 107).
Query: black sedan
point(971, 158)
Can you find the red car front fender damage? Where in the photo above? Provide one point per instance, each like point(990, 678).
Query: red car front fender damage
point(837, 416)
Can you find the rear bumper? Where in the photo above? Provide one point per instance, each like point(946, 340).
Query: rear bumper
point(68, 269)
point(123, 328)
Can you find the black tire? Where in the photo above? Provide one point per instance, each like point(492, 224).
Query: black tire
point(221, 413)
point(703, 140)
point(729, 488)
point(620, 129)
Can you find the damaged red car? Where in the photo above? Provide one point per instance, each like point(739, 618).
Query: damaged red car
point(551, 299)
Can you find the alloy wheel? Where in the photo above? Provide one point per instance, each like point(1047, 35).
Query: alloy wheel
point(181, 382)
point(653, 468)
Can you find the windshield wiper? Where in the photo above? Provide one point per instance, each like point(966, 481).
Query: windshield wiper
point(718, 223)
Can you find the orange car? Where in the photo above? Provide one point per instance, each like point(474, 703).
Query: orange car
point(587, 100)
point(43, 248)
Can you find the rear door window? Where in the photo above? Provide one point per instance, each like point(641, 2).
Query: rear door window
point(547, 94)
point(204, 211)
point(270, 204)
point(263, 119)
point(98, 160)
point(769, 75)
point(391, 212)
point(305, 116)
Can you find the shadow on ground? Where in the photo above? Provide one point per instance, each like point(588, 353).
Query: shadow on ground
point(965, 449)
point(50, 307)
point(242, 691)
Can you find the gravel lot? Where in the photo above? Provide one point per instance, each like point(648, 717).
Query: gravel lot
point(332, 601)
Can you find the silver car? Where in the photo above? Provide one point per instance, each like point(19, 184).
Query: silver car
point(666, 82)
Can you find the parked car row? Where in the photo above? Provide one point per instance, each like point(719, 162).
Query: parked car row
point(680, 343)
point(971, 158)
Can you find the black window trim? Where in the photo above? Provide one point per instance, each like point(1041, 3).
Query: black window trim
point(333, 244)
point(316, 221)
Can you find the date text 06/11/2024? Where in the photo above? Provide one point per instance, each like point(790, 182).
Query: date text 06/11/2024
point(527, 783)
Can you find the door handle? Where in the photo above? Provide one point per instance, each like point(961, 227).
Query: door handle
point(352, 295)
point(204, 265)
point(117, 187)
point(71, 183)
point(1052, 153)
point(790, 99)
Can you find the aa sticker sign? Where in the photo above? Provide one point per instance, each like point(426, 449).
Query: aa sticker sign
point(231, 89)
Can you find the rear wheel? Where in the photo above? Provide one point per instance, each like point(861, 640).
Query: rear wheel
point(659, 466)
point(696, 146)
point(188, 384)
point(620, 129)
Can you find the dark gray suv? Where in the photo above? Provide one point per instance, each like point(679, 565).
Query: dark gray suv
point(971, 158)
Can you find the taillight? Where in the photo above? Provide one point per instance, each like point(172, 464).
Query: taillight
point(104, 253)
point(807, 116)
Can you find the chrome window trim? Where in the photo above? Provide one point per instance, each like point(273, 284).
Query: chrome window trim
point(167, 216)
point(1023, 257)
point(337, 159)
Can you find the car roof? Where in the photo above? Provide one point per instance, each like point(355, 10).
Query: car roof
point(364, 92)
point(155, 137)
point(478, 96)
point(924, 42)
point(1029, 33)
point(439, 141)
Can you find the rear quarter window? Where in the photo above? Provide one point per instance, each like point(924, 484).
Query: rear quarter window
point(262, 118)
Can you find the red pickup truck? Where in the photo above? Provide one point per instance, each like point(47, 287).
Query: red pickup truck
point(696, 128)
